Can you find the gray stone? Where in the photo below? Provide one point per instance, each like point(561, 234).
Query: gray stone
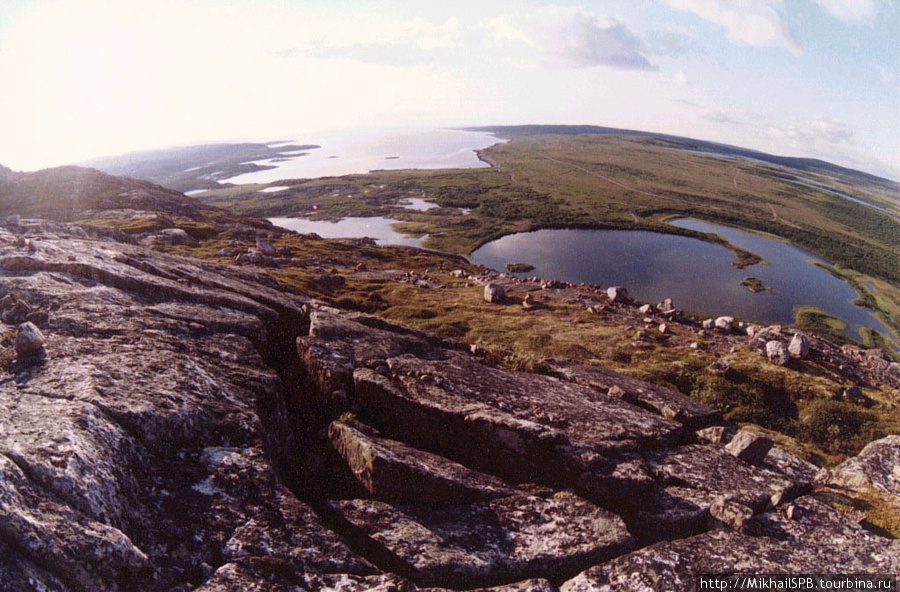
point(265, 247)
point(645, 309)
point(777, 353)
point(29, 340)
point(708, 324)
point(749, 447)
point(715, 434)
point(877, 465)
point(724, 324)
point(666, 306)
point(494, 293)
point(175, 236)
point(617, 293)
point(799, 345)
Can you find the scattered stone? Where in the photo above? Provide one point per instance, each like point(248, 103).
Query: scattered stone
point(360, 267)
point(617, 294)
point(724, 324)
point(645, 309)
point(799, 345)
point(719, 367)
point(708, 324)
point(529, 303)
point(616, 391)
point(666, 306)
point(175, 236)
point(715, 434)
point(855, 395)
point(695, 345)
point(749, 447)
point(729, 514)
point(494, 293)
point(29, 341)
point(777, 353)
point(752, 330)
point(663, 328)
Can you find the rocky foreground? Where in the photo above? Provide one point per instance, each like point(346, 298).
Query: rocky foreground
point(172, 424)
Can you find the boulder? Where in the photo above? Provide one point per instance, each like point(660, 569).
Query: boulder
point(749, 447)
point(175, 236)
point(494, 293)
point(393, 472)
point(715, 434)
point(265, 247)
point(877, 465)
point(510, 538)
point(666, 306)
point(529, 303)
point(708, 324)
point(799, 345)
point(855, 395)
point(645, 309)
point(777, 353)
point(617, 294)
point(719, 367)
point(29, 340)
point(724, 324)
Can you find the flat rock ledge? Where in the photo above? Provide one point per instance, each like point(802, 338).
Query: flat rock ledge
point(194, 426)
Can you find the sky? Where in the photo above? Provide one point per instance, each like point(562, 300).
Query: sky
point(87, 78)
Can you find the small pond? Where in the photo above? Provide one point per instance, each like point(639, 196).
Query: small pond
point(378, 228)
point(698, 276)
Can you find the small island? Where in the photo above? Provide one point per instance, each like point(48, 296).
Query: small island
point(519, 267)
point(755, 285)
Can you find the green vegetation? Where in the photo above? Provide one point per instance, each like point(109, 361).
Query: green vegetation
point(755, 284)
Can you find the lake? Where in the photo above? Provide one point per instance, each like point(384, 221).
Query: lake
point(698, 276)
point(359, 152)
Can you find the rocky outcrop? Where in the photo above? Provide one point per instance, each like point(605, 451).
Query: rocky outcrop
point(179, 429)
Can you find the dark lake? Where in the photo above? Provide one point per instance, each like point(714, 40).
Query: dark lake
point(698, 276)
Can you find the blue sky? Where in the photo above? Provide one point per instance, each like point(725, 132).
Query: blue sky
point(814, 78)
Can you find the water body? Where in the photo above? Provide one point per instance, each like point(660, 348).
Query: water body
point(377, 228)
point(697, 275)
point(797, 181)
point(361, 152)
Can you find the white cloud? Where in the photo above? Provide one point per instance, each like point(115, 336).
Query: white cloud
point(568, 37)
point(821, 130)
point(755, 23)
point(851, 11)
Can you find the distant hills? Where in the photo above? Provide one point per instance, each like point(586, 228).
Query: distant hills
point(811, 165)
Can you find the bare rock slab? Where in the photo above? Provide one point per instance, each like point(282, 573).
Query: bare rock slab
point(667, 402)
point(512, 538)
point(711, 469)
point(676, 565)
point(512, 424)
point(394, 472)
